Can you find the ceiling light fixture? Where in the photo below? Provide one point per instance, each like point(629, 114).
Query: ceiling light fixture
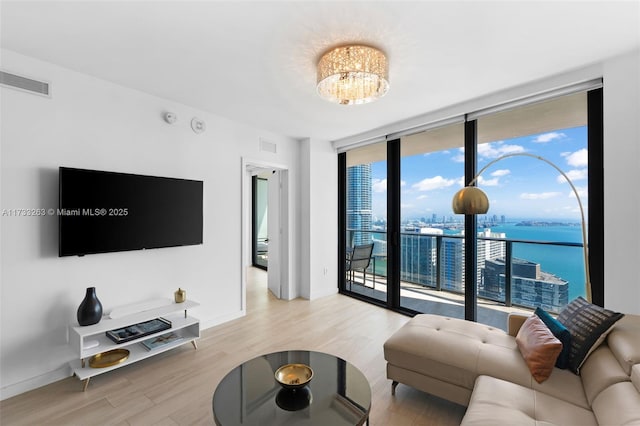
point(353, 74)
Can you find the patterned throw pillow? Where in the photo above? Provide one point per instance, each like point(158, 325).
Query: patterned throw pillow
point(589, 325)
point(561, 332)
point(539, 347)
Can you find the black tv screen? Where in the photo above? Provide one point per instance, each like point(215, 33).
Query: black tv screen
point(102, 212)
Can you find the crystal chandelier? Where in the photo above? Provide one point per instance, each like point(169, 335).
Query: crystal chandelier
point(353, 74)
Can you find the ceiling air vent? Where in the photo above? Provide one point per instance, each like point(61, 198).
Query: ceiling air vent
point(24, 84)
point(267, 146)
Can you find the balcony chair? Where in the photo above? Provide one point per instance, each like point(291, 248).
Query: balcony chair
point(358, 260)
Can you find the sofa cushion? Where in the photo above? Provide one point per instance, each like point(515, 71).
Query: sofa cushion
point(600, 371)
point(498, 402)
point(561, 332)
point(539, 347)
point(624, 341)
point(588, 325)
point(618, 404)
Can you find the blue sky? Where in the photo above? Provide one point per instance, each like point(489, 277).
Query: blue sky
point(517, 187)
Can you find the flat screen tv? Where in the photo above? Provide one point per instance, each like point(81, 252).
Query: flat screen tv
point(102, 212)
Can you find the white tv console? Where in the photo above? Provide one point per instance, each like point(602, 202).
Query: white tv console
point(83, 339)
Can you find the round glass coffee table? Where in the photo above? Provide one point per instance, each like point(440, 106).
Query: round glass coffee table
point(338, 394)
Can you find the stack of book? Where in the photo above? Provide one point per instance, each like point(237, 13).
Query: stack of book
point(159, 341)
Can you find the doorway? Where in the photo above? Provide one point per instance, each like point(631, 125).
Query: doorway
point(277, 225)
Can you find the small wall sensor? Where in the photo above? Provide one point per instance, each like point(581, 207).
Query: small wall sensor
point(198, 125)
point(170, 117)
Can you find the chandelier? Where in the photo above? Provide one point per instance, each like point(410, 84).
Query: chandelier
point(353, 74)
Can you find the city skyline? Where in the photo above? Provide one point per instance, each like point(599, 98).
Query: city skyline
point(518, 187)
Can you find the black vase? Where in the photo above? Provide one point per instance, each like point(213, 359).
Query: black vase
point(90, 310)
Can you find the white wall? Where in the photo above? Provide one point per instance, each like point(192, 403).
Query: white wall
point(621, 168)
point(319, 218)
point(94, 124)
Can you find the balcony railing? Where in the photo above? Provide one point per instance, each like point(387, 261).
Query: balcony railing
point(436, 262)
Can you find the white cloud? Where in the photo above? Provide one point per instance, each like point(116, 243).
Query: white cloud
point(539, 196)
point(430, 184)
point(501, 172)
point(402, 183)
point(496, 149)
point(379, 185)
point(421, 197)
point(574, 175)
point(583, 192)
point(459, 158)
point(548, 137)
point(487, 182)
point(579, 158)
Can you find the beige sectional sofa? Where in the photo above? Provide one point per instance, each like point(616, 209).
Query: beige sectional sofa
point(482, 368)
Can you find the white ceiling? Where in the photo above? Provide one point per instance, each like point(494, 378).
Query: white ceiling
point(254, 62)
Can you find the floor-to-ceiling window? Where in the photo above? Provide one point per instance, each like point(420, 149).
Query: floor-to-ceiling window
point(431, 168)
point(525, 252)
point(532, 204)
point(366, 221)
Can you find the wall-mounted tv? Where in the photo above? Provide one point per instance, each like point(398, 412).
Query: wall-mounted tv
point(102, 212)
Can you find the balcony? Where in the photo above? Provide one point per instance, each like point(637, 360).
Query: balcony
point(432, 274)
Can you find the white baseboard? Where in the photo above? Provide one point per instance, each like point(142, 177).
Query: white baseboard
point(36, 382)
point(212, 322)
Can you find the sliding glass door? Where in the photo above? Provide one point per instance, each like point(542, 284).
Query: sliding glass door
point(366, 222)
point(527, 251)
point(533, 206)
point(431, 260)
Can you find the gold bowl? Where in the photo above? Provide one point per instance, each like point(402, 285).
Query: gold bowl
point(294, 376)
point(109, 358)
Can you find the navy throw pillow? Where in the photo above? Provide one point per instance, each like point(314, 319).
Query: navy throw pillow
point(561, 332)
point(589, 325)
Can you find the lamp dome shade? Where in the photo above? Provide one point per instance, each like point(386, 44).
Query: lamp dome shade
point(470, 200)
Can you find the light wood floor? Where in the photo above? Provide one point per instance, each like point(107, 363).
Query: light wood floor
point(175, 388)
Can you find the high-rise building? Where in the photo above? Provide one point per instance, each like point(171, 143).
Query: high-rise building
point(359, 206)
point(418, 259)
point(531, 286)
point(453, 274)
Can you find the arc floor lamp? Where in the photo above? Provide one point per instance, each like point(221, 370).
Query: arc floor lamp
point(472, 200)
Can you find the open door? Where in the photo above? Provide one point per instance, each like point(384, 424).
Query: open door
point(277, 225)
point(278, 208)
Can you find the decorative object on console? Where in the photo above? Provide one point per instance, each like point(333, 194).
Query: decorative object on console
point(135, 331)
point(539, 347)
point(180, 295)
point(90, 310)
point(109, 358)
point(157, 342)
point(472, 200)
point(589, 325)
